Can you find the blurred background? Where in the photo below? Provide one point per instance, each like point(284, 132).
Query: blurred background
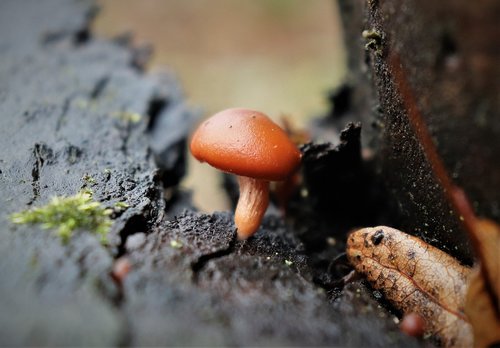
point(280, 57)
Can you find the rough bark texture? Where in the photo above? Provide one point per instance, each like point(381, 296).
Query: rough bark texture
point(447, 54)
point(72, 106)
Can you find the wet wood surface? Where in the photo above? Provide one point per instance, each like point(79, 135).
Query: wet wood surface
point(75, 107)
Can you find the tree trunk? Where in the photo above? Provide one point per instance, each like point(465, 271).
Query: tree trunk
point(433, 68)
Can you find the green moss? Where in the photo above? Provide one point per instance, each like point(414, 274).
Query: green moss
point(175, 244)
point(127, 116)
point(67, 214)
point(119, 206)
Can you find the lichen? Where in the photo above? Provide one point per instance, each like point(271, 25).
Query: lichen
point(373, 40)
point(67, 214)
point(88, 179)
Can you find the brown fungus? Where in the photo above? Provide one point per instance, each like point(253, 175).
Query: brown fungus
point(248, 144)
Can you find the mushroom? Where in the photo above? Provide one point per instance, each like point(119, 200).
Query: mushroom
point(247, 143)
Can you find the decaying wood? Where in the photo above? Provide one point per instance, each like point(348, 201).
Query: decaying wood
point(415, 277)
point(77, 112)
point(445, 71)
point(436, 84)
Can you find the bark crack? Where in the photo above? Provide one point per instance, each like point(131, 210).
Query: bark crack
point(99, 87)
point(198, 265)
point(35, 173)
point(64, 112)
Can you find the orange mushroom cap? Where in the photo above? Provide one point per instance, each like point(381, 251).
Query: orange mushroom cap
point(247, 143)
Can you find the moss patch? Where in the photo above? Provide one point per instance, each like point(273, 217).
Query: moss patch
point(67, 214)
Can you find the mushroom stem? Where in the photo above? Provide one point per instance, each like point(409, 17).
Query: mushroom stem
point(252, 204)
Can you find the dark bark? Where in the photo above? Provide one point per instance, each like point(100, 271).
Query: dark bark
point(434, 68)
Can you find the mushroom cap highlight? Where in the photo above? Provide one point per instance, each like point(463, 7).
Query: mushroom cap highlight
point(246, 143)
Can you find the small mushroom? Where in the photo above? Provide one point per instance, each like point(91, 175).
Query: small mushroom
point(247, 143)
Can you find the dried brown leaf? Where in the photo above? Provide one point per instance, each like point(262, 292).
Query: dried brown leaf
point(488, 234)
point(483, 295)
point(415, 277)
